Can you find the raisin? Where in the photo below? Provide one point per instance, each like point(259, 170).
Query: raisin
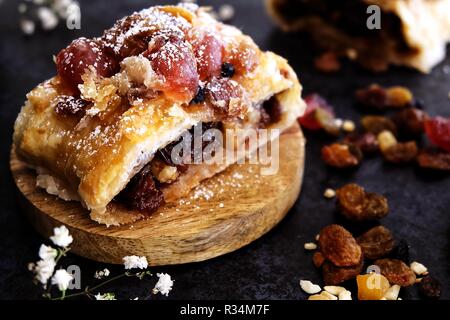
point(430, 288)
point(327, 62)
point(438, 132)
point(339, 246)
point(333, 275)
point(227, 70)
point(226, 97)
point(378, 124)
point(411, 121)
point(366, 142)
point(357, 204)
point(434, 160)
point(376, 97)
point(199, 97)
point(396, 271)
point(401, 251)
point(318, 259)
point(340, 155)
point(327, 121)
point(376, 243)
point(272, 108)
point(401, 152)
point(68, 106)
point(142, 193)
point(372, 286)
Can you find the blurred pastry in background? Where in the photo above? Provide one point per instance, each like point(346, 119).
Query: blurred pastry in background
point(411, 33)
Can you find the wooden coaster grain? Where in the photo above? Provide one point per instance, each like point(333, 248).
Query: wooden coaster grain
point(223, 214)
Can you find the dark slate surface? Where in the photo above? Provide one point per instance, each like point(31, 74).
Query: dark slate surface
point(271, 267)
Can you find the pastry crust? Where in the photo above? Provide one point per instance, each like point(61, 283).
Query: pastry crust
point(424, 28)
point(96, 156)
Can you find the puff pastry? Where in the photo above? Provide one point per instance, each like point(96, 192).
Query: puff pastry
point(413, 33)
point(99, 130)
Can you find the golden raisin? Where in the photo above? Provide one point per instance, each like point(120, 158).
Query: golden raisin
point(378, 124)
point(339, 246)
point(434, 160)
point(401, 152)
point(396, 271)
point(333, 275)
point(318, 259)
point(340, 155)
point(376, 243)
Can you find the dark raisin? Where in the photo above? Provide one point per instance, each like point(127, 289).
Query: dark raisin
point(366, 142)
point(411, 121)
point(272, 109)
point(227, 70)
point(374, 97)
point(142, 192)
point(318, 259)
point(430, 288)
point(376, 243)
point(199, 97)
point(378, 124)
point(401, 251)
point(333, 275)
point(396, 271)
point(434, 160)
point(68, 106)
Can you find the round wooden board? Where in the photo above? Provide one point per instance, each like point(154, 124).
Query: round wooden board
point(223, 214)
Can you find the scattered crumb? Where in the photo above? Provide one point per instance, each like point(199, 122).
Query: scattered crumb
point(317, 237)
point(329, 193)
point(310, 246)
point(338, 122)
point(348, 126)
point(27, 26)
point(352, 54)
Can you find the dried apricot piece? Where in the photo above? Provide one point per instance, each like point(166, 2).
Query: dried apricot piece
point(401, 152)
point(339, 246)
point(378, 124)
point(396, 271)
point(333, 275)
point(318, 259)
point(376, 243)
point(341, 155)
point(434, 160)
point(430, 288)
point(372, 286)
point(357, 204)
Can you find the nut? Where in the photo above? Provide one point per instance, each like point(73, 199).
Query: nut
point(309, 287)
point(348, 126)
point(418, 268)
point(334, 290)
point(392, 293)
point(310, 246)
point(329, 193)
point(345, 295)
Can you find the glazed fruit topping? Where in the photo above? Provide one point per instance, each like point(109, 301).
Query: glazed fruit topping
point(438, 132)
point(357, 204)
point(72, 62)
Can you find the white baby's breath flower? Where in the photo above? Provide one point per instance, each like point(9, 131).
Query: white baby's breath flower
point(47, 252)
point(131, 262)
point(164, 284)
point(105, 296)
point(44, 270)
point(61, 237)
point(62, 279)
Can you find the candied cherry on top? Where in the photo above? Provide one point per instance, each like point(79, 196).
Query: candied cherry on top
point(438, 131)
point(313, 102)
point(176, 63)
point(72, 61)
point(208, 51)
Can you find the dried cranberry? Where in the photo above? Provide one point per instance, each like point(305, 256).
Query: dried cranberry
point(340, 155)
point(434, 160)
point(376, 243)
point(430, 288)
point(339, 246)
point(82, 53)
point(438, 131)
point(68, 106)
point(396, 271)
point(411, 121)
point(227, 70)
